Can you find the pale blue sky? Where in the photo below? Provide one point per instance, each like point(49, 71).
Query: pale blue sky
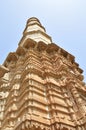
point(64, 20)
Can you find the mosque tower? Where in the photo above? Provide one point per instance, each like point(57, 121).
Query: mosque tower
point(41, 85)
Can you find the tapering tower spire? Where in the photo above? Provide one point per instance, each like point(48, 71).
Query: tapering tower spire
point(41, 85)
point(35, 31)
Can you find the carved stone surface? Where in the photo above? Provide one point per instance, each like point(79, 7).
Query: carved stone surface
point(41, 86)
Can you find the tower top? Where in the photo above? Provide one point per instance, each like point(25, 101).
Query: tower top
point(33, 20)
point(35, 31)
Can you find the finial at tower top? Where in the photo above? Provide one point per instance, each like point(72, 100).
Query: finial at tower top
point(35, 31)
point(33, 20)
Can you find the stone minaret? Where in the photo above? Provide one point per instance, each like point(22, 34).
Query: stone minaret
point(41, 85)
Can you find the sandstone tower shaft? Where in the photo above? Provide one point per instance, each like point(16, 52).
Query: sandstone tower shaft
point(41, 85)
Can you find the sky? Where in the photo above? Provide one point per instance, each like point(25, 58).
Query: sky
point(64, 20)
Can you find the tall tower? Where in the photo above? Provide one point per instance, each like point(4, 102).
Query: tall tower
point(41, 85)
